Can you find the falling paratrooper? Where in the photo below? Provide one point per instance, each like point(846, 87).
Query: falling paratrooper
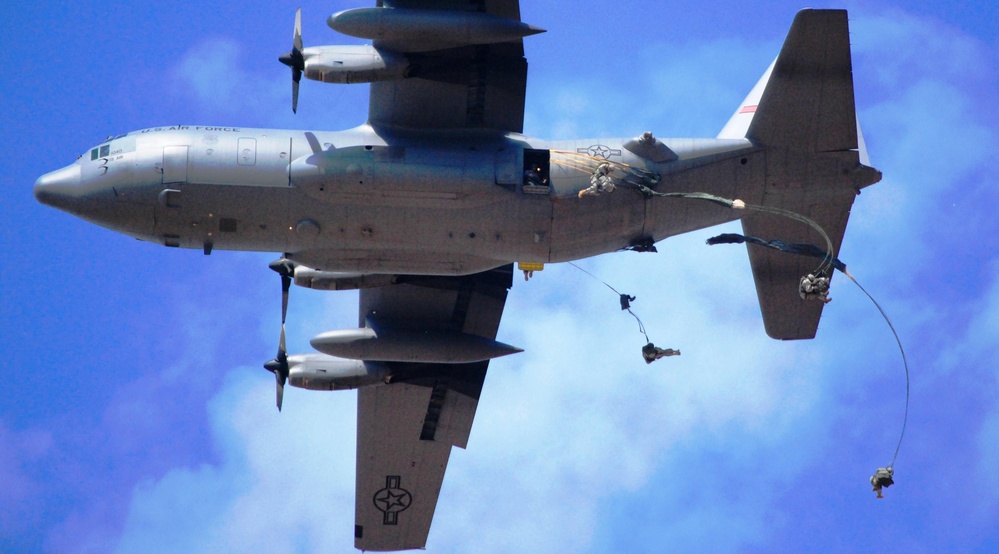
point(600, 181)
point(883, 477)
point(651, 353)
point(815, 287)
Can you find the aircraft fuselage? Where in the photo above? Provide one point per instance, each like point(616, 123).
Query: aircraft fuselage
point(370, 201)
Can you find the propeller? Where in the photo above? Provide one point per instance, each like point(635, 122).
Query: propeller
point(295, 60)
point(279, 365)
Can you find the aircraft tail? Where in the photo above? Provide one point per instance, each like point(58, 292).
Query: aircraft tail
point(738, 125)
point(802, 113)
point(805, 99)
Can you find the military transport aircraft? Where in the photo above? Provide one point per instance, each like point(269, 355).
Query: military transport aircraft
point(426, 207)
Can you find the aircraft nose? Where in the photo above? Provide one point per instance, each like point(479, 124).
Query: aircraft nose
point(59, 188)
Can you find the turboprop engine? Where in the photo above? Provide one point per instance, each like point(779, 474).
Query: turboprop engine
point(338, 280)
point(340, 64)
point(322, 372)
point(369, 355)
point(400, 35)
point(354, 64)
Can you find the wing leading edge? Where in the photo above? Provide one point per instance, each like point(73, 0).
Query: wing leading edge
point(405, 430)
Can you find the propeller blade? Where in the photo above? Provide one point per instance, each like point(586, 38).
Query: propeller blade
point(286, 269)
point(281, 374)
point(280, 368)
point(280, 390)
point(285, 285)
point(297, 37)
point(279, 365)
point(295, 59)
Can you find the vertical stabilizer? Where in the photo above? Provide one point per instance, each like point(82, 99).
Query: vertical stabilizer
point(862, 146)
point(738, 124)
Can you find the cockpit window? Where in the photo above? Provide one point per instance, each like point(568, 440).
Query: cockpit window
point(100, 152)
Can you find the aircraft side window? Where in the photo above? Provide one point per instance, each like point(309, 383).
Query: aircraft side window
point(105, 150)
point(93, 154)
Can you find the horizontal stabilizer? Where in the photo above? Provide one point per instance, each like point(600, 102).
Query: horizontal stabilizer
point(777, 274)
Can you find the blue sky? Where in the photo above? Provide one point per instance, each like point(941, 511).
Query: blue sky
point(136, 417)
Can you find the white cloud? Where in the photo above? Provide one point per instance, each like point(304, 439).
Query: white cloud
point(906, 44)
point(19, 451)
point(284, 481)
point(280, 482)
point(211, 73)
point(975, 353)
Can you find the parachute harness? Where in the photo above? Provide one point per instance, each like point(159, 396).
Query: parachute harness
point(815, 285)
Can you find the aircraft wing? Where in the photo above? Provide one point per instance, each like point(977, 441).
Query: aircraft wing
point(478, 86)
point(405, 429)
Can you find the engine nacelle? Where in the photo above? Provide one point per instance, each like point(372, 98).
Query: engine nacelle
point(321, 372)
point(338, 280)
point(354, 64)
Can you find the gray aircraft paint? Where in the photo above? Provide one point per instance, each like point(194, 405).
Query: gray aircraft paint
point(393, 203)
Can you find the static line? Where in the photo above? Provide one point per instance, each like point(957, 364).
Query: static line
point(642, 178)
point(815, 251)
point(625, 305)
point(905, 365)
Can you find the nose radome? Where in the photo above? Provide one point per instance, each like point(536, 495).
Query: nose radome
point(58, 188)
